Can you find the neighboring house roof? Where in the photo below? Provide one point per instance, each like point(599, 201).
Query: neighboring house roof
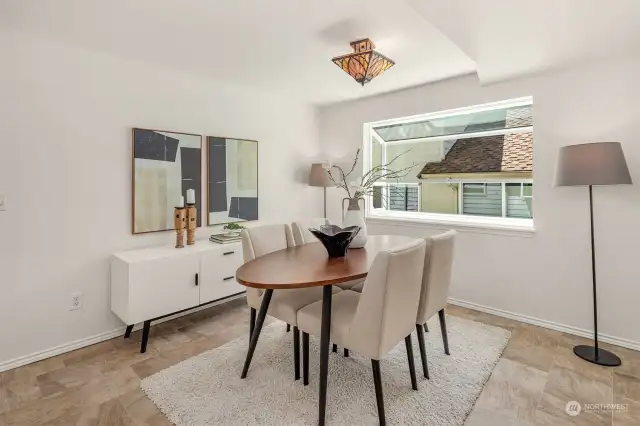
point(489, 154)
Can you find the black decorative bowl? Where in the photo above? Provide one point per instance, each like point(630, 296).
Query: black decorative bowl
point(335, 239)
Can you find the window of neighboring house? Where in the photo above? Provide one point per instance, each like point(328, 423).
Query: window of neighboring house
point(474, 189)
point(471, 163)
point(397, 197)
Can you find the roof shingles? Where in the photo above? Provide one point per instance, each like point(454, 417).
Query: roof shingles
point(489, 154)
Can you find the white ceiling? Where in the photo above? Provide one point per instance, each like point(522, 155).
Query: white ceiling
point(507, 38)
point(286, 45)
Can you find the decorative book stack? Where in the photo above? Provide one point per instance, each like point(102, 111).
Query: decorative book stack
point(225, 238)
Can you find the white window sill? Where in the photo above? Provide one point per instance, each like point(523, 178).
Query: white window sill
point(485, 225)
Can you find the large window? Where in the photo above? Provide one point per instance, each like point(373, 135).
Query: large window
point(474, 162)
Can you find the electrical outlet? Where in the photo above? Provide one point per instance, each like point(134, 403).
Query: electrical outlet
point(76, 301)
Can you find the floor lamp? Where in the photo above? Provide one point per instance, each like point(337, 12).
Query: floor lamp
point(318, 177)
point(590, 164)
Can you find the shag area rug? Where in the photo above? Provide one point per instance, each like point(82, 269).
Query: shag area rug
point(207, 389)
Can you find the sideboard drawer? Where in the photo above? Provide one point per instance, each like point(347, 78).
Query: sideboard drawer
point(218, 274)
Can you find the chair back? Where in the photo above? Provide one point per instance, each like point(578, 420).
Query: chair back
point(437, 275)
point(386, 310)
point(300, 229)
point(260, 240)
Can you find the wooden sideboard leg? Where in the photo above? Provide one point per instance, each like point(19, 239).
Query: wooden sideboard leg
point(145, 336)
point(127, 333)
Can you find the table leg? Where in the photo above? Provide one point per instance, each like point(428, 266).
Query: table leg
point(264, 307)
point(325, 335)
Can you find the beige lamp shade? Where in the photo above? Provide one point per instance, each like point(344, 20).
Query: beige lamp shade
point(600, 163)
point(318, 176)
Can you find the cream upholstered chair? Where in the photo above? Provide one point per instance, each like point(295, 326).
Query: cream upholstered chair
point(301, 235)
point(284, 305)
point(374, 321)
point(435, 288)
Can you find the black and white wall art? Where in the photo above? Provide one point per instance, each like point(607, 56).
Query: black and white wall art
point(232, 178)
point(165, 166)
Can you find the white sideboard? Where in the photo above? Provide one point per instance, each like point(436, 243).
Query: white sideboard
point(152, 283)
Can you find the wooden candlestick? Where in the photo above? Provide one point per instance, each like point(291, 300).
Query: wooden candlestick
point(192, 213)
point(180, 222)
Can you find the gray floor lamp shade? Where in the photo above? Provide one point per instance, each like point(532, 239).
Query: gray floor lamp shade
point(589, 164)
point(318, 176)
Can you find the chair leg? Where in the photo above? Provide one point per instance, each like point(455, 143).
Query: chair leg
point(346, 353)
point(296, 352)
point(423, 351)
point(377, 382)
point(252, 322)
point(288, 328)
point(443, 327)
point(305, 358)
point(426, 327)
point(335, 348)
point(412, 366)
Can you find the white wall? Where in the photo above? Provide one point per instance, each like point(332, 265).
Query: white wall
point(546, 276)
point(65, 166)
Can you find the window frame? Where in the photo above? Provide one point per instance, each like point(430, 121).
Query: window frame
point(506, 225)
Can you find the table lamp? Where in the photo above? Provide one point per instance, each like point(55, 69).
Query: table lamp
point(589, 164)
point(318, 177)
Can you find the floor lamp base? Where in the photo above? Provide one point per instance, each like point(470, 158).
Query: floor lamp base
point(601, 357)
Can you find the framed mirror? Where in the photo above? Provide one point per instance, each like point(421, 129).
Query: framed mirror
point(232, 180)
point(165, 165)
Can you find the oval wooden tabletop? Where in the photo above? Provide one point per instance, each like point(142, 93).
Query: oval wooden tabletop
point(309, 265)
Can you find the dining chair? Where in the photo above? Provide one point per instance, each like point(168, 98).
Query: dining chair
point(436, 279)
point(302, 235)
point(374, 321)
point(259, 241)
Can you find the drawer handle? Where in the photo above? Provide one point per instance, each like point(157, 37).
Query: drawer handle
point(227, 278)
point(197, 279)
point(228, 253)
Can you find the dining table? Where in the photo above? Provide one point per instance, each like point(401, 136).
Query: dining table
point(305, 266)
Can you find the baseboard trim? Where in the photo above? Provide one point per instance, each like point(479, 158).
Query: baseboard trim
point(91, 340)
point(57, 350)
point(581, 332)
point(101, 337)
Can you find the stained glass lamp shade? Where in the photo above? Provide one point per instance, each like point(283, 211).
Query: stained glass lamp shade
point(364, 64)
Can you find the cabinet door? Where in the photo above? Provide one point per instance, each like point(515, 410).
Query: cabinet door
point(163, 286)
point(218, 273)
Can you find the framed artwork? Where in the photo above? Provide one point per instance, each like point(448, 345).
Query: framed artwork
point(232, 180)
point(165, 165)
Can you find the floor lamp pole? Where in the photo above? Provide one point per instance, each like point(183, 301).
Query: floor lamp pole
point(593, 353)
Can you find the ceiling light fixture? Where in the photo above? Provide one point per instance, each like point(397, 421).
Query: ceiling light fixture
point(364, 64)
